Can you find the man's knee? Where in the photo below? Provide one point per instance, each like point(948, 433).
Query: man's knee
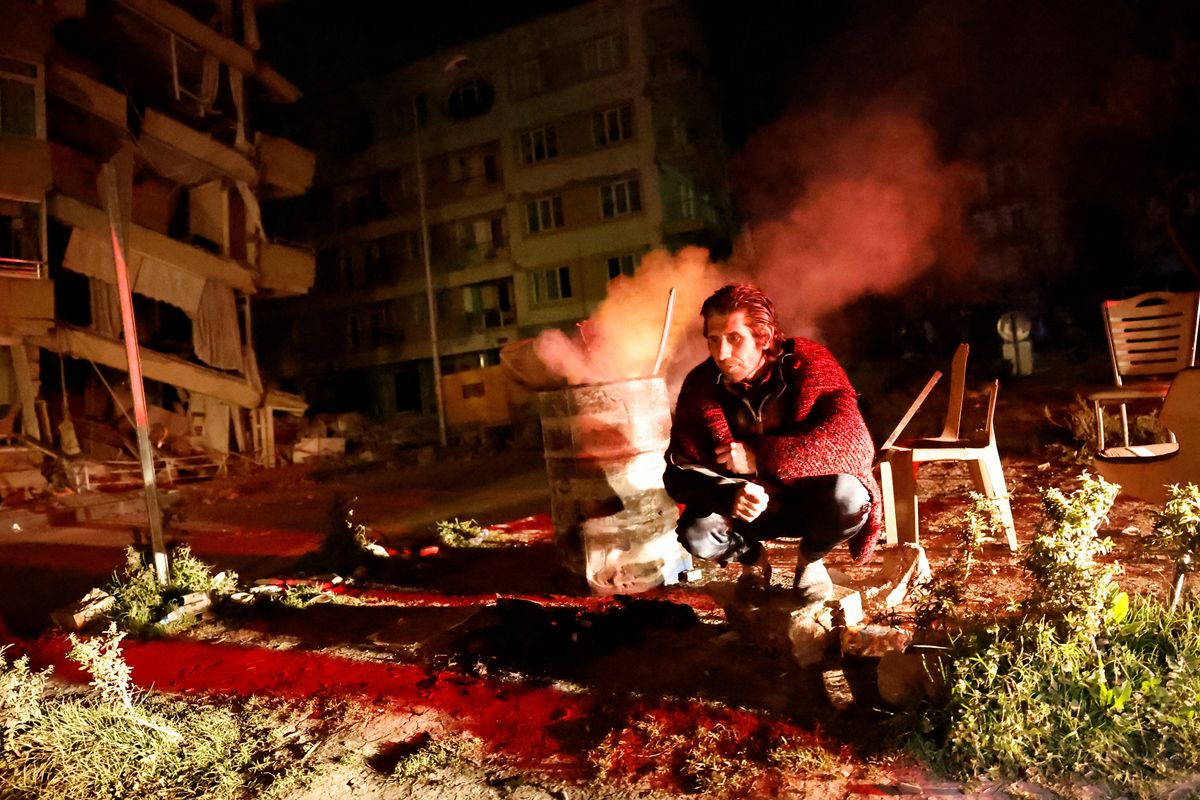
point(710, 537)
point(852, 502)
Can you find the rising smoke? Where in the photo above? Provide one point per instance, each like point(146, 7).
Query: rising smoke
point(854, 194)
point(843, 206)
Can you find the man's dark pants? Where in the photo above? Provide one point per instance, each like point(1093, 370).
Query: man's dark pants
point(821, 511)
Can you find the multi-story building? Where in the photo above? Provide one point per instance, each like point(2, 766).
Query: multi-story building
point(133, 115)
point(552, 156)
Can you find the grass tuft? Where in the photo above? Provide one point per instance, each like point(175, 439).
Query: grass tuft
point(115, 741)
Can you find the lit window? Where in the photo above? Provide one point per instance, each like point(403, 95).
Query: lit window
point(613, 125)
point(550, 285)
point(545, 214)
point(538, 145)
point(18, 97)
point(622, 197)
point(621, 265)
point(687, 201)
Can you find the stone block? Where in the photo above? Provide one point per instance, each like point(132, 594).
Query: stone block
point(809, 634)
point(847, 604)
point(911, 678)
point(903, 568)
point(874, 641)
point(90, 607)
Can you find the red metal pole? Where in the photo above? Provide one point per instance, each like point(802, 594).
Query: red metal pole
point(140, 415)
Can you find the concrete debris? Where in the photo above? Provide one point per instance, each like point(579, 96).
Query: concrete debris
point(908, 679)
point(903, 568)
point(690, 576)
point(311, 447)
point(91, 606)
point(874, 641)
point(810, 634)
point(846, 604)
point(192, 604)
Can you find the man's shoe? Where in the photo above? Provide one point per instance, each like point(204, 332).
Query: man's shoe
point(813, 582)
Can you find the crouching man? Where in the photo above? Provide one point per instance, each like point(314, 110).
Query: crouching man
point(767, 442)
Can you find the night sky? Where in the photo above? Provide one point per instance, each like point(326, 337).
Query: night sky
point(1101, 96)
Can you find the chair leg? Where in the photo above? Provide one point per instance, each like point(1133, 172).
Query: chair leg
point(888, 488)
point(1125, 425)
point(988, 475)
point(1099, 426)
point(900, 508)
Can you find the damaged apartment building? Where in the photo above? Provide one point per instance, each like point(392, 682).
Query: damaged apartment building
point(132, 116)
point(552, 156)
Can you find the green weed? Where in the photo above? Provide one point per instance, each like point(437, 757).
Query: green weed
point(141, 602)
point(1088, 686)
point(1177, 531)
point(116, 742)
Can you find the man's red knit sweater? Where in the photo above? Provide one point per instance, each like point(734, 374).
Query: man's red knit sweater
point(819, 430)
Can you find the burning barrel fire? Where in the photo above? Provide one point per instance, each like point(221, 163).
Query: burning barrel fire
point(613, 521)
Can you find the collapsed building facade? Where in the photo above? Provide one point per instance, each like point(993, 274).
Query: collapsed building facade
point(155, 97)
point(547, 158)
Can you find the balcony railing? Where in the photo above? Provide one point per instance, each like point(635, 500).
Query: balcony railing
point(21, 268)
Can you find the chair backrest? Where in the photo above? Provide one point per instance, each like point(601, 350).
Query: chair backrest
point(1152, 334)
point(958, 389)
point(1181, 410)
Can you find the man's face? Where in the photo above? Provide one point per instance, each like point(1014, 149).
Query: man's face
point(732, 345)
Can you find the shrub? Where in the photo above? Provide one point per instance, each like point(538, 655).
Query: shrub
point(941, 595)
point(1177, 530)
point(1068, 581)
point(1087, 686)
point(116, 741)
point(1032, 700)
point(141, 601)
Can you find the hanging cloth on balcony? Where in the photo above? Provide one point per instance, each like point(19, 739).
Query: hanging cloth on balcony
point(216, 335)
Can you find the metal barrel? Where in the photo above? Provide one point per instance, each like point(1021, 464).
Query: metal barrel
point(613, 521)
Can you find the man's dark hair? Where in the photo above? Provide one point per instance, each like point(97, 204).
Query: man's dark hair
point(760, 311)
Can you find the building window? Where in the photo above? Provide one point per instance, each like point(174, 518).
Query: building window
point(403, 114)
point(601, 56)
point(525, 78)
point(613, 125)
point(679, 130)
point(545, 214)
point(538, 145)
point(20, 239)
point(687, 201)
point(458, 168)
point(621, 197)
point(471, 98)
point(550, 285)
point(18, 97)
point(622, 265)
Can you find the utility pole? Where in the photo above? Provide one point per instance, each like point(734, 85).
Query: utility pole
point(430, 298)
point(110, 195)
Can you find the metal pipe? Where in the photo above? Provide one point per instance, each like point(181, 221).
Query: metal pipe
point(666, 330)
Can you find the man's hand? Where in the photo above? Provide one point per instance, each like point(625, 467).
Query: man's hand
point(750, 502)
point(737, 458)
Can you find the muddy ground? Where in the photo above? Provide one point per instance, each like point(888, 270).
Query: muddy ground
point(545, 690)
